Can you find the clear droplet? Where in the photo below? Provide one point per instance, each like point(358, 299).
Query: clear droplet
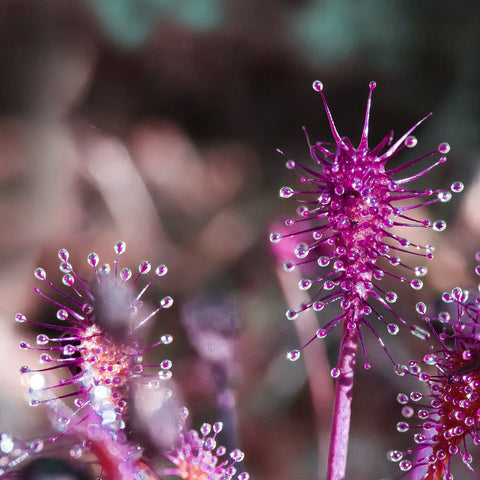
point(392, 328)
point(317, 85)
point(444, 147)
point(65, 267)
point(456, 187)
point(144, 267)
point(93, 259)
point(323, 261)
point(62, 314)
point(164, 374)
point(105, 269)
point(321, 333)
point(403, 427)
point(286, 192)
point(289, 266)
point(42, 339)
point(45, 358)
point(394, 455)
point(166, 339)
point(20, 318)
point(444, 197)
point(125, 274)
point(161, 270)
point(120, 247)
point(166, 364)
point(411, 141)
point(421, 271)
point(416, 284)
point(275, 237)
point(407, 412)
point(40, 274)
point(391, 297)
point(416, 396)
point(421, 308)
point(68, 280)
point(63, 255)
point(166, 302)
point(293, 355)
point(439, 225)
point(430, 359)
point(301, 250)
point(405, 465)
point(335, 372)
point(318, 306)
point(291, 314)
point(304, 284)
point(76, 452)
point(69, 350)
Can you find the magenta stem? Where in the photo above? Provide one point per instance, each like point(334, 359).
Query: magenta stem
point(337, 458)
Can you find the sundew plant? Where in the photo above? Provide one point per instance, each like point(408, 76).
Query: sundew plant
point(350, 232)
point(351, 206)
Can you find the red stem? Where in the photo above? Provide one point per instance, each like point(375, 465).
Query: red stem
point(337, 458)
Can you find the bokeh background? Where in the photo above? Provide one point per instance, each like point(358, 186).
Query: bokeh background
point(156, 122)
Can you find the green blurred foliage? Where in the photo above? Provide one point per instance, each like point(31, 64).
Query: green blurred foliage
point(130, 22)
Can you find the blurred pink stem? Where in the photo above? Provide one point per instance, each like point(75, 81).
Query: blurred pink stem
point(337, 459)
point(316, 362)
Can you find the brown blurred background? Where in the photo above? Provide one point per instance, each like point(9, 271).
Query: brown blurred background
point(156, 122)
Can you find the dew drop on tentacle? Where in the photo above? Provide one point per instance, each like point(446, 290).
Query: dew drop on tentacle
point(20, 318)
point(144, 267)
point(391, 297)
point(125, 274)
point(65, 267)
point(293, 355)
point(411, 141)
point(166, 302)
point(444, 147)
point(275, 237)
point(166, 339)
point(291, 314)
point(161, 270)
point(317, 85)
point(439, 225)
point(335, 372)
point(68, 280)
point(457, 187)
point(63, 255)
point(120, 247)
point(421, 308)
point(394, 455)
point(40, 274)
point(392, 328)
point(62, 314)
point(416, 284)
point(444, 197)
point(93, 259)
point(286, 192)
point(42, 339)
point(289, 266)
point(420, 271)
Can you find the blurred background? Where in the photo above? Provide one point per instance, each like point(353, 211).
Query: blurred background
point(156, 122)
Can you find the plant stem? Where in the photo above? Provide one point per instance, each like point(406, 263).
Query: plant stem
point(337, 458)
